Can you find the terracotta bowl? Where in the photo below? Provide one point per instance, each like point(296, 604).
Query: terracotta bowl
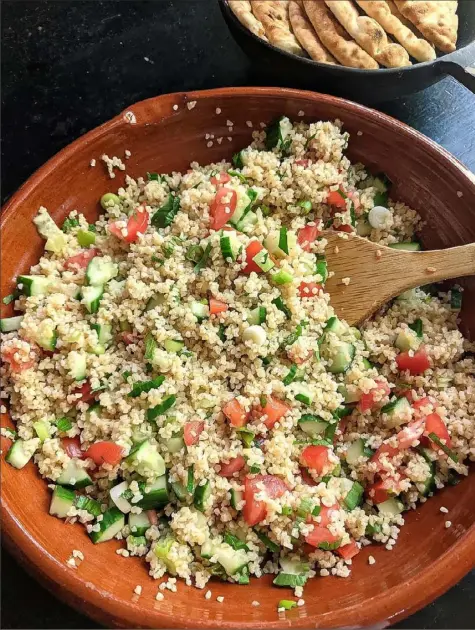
point(428, 558)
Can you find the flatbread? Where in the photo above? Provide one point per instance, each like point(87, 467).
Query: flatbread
point(274, 16)
point(437, 20)
point(305, 33)
point(242, 10)
point(368, 34)
point(386, 16)
point(335, 38)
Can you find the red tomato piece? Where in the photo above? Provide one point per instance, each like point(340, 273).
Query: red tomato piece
point(426, 401)
point(72, 446)
point(316, 458)
point(410, 434)
point(320, 535)
point(384, 449)
point(435, 424)
point(216, 306)
point(307, 235)
point(255, 511)
point(326, 513)
point(233, 466)
point(220, 179)
point(192, 431)
point(87, 395)
point(302, 162)
point(152, 517)
point(337, 199)
point(416, 364)
point(380, 491)
point(234, 412)
point(274, 409)
point(348, 551)
point(105, 453)
point(309, 289)
point(8, 356)
point(252, 250)
point(137, 223)
point(375, 396)
point(344, 227)
point(307, 477)
point(128, 337)
point(81, 260)
point(222, 207)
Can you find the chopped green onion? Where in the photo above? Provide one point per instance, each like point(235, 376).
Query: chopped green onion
point(154, 177)
point(221, 332)
point(234, 542)
point(168, 249)
point(266, 361)
point(266, 211)
point(254, 469)
point(287, 604)
point(283, 240)
point(85, 238)
point(126, 374)
point(161, 408)
point(146, 386)
point(150, 347)
point(449, 452)
point(291, 375)
point(292, 338)
point(10, 298)
point(373, 529)
point(286, 510)
point(455, 299)
point(69, 224)
point(354, 496)
point(92, 228)
point(165, 215)
point(306, 206)
point(279, 303)
point(270, 544)
point(194, 253)
point(158, 260)
point(417, 327)
point(342, 411)
point(64, 424)
point(243, 576)
point(322, 269)
point(326, 546)
point(263, 401)
point(247, 437)
point(240, 176)
point(190, 482)
point(237, 160)
point(203, 261)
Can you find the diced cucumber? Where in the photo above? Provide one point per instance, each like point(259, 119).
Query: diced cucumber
point(42, 430)
point(91, 297)
point(155, 300)
point(270, 544)
point(145, 458)
point(277, 134)
point(363, 227)
point(455, 299)
point(10, 324)
point(155, 495)
point(257, 316)
point(85, 238)
point(247, 223)
point(281, 306)
point(201, 496)
point(138, 523)
point(232, 560)
point(116, 494)
point(84, 502)
point(55, 239)
point(348, 397)
point(294, 572)
point(16, 455)
point(418, 327)
point(46, 336)
point(200, 310)
point(294, 374)
point(173, 345)
point(77, 364)
point(113, 521)
point(207, 549)
point(160, 409)
point(74, 476)
point(174, 444)
point(312, 425)
point(322, 269)
point(99, 271)
point(162, 550)
point(303, 394)
point(354, 496)
point(282, 277)
point(407, 340)
point(264, 261)
point(398, 412)
point(61, 502)
point(391, 507)
point(180, 491)
point(334, 325)
point(355, 451)
point(407, 246)
point(281, 243)
point(230, 246)
point(34, 285)
point(104, 333)
point(244, 201)
point(381, 182)
point(236, 498)
point(341, 357)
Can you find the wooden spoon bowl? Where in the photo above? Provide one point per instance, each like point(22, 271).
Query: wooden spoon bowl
point(428, 558)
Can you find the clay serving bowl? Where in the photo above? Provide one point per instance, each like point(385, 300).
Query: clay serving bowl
point(428, 558)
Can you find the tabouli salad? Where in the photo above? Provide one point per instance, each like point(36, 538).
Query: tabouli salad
point(179, 376)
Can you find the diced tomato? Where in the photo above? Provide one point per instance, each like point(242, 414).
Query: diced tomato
point(435, 424)
point(416, 364)
point(216, 306)
point(316, 458)
point(255, 511)
point(426, 401)
point(302, 162)
point(320, 535)
point(81, 260)
point(87, 395)
point(384, 450)
point(337, 199)
point(137, 222)
point(292, 355)
point(307, 477)
point(233, 466)
point(326, 513)
point(234, 412)
point(220, 179)
point(410, 434)
point(128, 337)
point(274, 409)
point(348, 551)
point(105, 453)
point(252, 250)
point(152, 517)
point(380, 491)
point(307, 235)
point(408, 394)
point(375, 396)
point(72, 446)
point(8, 355)
point(192, 431)
point(309, 289)
point(222, 207)
point(344, 227)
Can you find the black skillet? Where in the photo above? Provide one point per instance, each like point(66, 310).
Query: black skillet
point(367, 86)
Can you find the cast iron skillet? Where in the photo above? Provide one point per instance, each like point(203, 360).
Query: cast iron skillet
point(367, 86)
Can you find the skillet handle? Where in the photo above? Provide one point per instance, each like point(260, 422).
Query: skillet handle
point(463, 74)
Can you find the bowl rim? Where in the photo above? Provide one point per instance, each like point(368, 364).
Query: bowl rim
point(109, 610)
point(337, 68)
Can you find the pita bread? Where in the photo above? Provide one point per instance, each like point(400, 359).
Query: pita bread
point(242, 10)
point(368, 34)
point(336, 39)
point(274, 16)
point(305, 33)
point(384, 14)
point(437, 20)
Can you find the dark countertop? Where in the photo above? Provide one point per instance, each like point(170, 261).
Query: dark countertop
point(69, 66)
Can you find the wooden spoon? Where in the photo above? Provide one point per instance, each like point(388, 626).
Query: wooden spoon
point(366, 275)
